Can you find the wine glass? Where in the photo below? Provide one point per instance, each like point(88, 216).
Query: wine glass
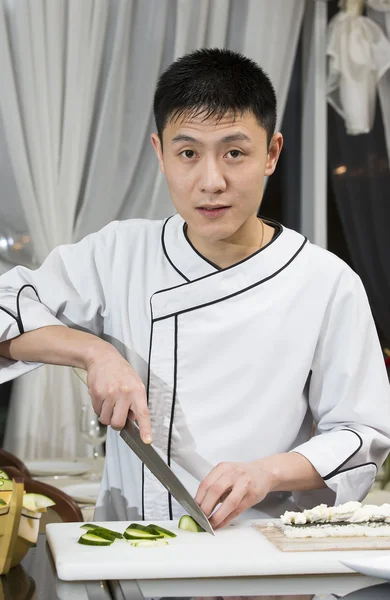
point(93, 433)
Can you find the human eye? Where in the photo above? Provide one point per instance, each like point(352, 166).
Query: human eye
point(235, 154)
point(187, 154)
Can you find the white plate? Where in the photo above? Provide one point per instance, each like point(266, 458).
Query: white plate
point(40, 468)
point(373, 566)
point(83, 492)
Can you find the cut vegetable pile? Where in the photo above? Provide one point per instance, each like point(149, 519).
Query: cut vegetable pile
point(139, 536)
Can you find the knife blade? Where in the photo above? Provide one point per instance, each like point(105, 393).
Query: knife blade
point(156, 465)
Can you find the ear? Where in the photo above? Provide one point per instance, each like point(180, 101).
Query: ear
point(274, 150)
point(155, 139)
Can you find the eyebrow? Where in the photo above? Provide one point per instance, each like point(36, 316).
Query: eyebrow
point(234, 137)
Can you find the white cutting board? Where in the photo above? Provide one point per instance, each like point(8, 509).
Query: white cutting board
point(235, 551)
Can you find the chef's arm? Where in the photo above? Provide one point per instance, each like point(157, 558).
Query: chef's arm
point(55, 345)
point(349, 399)
point(116, 390)
point(56, 315)
point(291, 472)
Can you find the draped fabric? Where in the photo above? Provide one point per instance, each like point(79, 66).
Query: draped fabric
point(360, 175)
point(359, 57)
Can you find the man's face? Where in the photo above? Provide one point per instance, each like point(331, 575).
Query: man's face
point(215, 171)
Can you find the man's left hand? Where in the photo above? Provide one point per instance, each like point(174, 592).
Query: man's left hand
point(237, 485)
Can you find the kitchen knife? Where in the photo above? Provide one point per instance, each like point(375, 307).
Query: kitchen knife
point(156, 465)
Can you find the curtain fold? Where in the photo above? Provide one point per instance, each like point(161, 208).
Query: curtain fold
point(379, 12)
point(76, 106)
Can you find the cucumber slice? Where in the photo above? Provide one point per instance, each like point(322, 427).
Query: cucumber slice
point(6, 485)
point(36, 502)
point(148, 543)
point(2, 503)
point(161, 531)
point(3, 475)
point(103, 533)
point(89, 539)
point(187, 523)
point(94, 528)
point(136, 532)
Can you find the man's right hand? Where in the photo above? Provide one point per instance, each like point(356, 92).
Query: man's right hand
point(117, 392)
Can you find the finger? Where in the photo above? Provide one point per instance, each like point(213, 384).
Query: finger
point(106, 411)
point(209, 480)
point(232, 503)
point(240, 509)
point(142, 416)
point(216, 491)
point(121, 409)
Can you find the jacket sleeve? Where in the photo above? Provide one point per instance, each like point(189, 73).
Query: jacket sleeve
point(69, 289)
point(349, 396)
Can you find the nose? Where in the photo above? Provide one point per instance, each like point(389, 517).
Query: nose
point(211, 178)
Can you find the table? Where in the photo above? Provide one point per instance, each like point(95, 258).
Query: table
point(37, 573)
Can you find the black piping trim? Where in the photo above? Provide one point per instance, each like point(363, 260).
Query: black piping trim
point(337, 470)
point(20, 323)
point(18, 316)
point(278, 228)
point(176, 335)
point(167, 255)
point(172, 414)
point(147, 399)
point(187, 310)
point(357, 467)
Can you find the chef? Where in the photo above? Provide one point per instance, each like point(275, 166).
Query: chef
point(246, 354)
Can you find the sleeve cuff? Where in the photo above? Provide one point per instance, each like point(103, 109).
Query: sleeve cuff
point(33, 318)
point(329, 452)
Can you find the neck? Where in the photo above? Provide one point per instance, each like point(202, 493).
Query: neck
point(243, 243)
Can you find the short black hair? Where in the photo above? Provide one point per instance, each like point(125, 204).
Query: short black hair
point(213, 82)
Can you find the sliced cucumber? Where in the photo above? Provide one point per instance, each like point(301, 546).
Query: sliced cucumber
point(6, 485)
point(94, 528)
point(136, 532)
point(36, 502)
point(161, 531)
point(148, 543)
point(2, 503)
point(89, 539)
point(3, 475)
point(189, 524)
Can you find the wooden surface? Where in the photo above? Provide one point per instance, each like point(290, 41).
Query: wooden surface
point(278, 539)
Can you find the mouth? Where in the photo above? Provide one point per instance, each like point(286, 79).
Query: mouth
point(213, 211)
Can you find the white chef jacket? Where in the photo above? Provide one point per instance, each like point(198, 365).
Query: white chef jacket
point(238, 362)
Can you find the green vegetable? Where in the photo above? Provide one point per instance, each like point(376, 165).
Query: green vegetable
point(102, 530)
point(148, 543)
point(136, 532)
point(187, 523)
point(90, 539)
point(160, 530)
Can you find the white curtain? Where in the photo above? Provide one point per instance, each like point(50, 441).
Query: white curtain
point(379, 12)
point(359, 58)
point(76, 109)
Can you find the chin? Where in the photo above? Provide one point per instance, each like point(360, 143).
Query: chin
point(214, 232)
